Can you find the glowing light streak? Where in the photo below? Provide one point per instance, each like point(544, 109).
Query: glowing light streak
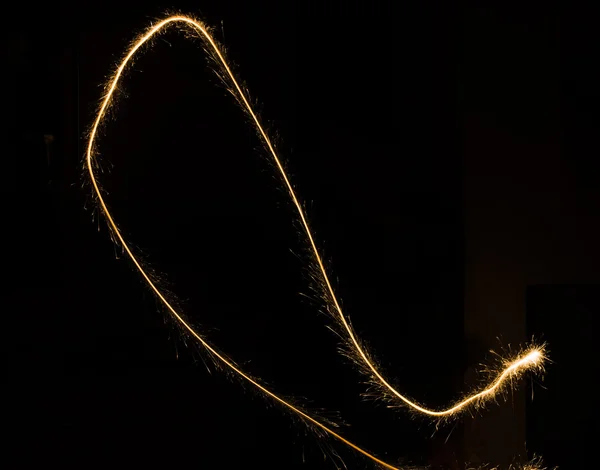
point(532, 359)
point(203, 30)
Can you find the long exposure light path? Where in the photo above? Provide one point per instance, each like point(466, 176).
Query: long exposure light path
point(203, 30)
point(530, 360)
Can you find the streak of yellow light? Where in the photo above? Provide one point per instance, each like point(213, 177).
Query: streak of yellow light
point(197, 25)
point(533, 358)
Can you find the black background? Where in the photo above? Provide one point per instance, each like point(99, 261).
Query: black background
point(368, 101)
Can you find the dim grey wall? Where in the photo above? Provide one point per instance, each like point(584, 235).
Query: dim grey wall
point(529, 217)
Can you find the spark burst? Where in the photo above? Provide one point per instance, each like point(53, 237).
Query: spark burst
point(532, 359)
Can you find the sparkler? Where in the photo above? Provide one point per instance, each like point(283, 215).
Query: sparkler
point(531, 359)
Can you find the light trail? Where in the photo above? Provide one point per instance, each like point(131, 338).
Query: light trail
point(112, 85)
point(534, 358)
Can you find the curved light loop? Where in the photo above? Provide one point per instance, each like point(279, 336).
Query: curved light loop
point(531, 359)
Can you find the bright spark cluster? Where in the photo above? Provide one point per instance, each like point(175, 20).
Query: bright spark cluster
point(532, 359)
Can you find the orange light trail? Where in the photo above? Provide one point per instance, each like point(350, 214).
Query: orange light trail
point(532, 359)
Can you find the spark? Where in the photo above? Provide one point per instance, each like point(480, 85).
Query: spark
point(536, 463)
point(532, 359)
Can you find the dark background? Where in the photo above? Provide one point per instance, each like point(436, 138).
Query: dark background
point(378, 108)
